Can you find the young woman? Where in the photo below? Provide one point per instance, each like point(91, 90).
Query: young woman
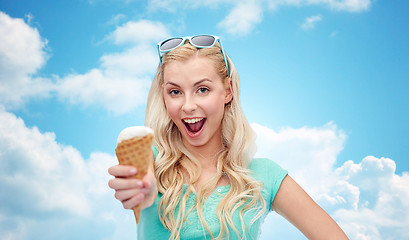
point(204, 182)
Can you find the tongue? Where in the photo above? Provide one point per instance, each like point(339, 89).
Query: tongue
point(195, 127)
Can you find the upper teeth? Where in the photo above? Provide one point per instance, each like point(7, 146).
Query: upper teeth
point(193, 120)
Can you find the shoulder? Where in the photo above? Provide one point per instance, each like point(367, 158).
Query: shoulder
point(270, 174)
point(265, 166)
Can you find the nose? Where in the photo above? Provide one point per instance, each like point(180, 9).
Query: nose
point(189, 104)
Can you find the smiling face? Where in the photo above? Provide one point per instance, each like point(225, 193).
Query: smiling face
point(195, 96)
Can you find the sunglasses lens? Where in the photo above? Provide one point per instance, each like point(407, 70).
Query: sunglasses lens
point(203, 41)
point(170, 44)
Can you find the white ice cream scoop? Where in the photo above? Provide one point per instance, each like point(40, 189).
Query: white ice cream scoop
point(131, 132)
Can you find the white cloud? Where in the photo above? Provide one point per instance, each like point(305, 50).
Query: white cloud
point(344, 5)
point(49, 190)
point(33, 167)
point(383, 209)
point(368, 199)
point(122, 81)
point(338, 5)
point(242, 18)
point(317, 148)
point(22, 46)
point(119, 84)
point(309, 22)
point(333, 34)
point(139, 32)
point(22, 54)
point(116, 19)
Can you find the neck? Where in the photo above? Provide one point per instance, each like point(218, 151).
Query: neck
point(206, 154)
point(207, 159)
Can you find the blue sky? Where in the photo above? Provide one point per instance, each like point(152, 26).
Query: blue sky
point(324, 84)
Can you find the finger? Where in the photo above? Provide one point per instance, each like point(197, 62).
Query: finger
point(132, 202)
point(122, 171)
point(124, 183)
point(123, 195)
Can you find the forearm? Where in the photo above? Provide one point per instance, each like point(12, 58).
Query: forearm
point(319, 225)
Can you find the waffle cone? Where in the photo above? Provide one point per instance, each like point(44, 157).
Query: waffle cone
point(136, 152)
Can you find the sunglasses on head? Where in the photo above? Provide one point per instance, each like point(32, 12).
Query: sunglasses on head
point(199, 41)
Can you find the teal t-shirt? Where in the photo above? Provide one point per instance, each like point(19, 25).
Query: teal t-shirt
point(264, 170)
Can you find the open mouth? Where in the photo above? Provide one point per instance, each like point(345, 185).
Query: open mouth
point(194, 125)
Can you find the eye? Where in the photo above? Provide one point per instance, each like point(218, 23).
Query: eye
point(203, 90)
point(174, 92)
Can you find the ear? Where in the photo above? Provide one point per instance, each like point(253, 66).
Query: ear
point(228, 92)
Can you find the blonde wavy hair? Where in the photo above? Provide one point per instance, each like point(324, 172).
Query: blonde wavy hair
point(174, 161)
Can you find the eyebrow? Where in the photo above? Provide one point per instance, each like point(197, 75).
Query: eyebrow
point(194, 85)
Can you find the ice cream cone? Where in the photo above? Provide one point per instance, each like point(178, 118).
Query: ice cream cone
point(136, 152)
